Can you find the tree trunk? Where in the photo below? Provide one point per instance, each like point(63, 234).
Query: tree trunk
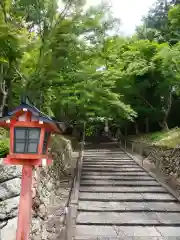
point(147, 124)
point(3, 103)
point(106, 128)
point(3, 89)
point(118, 133)
point(164, 124)
point(9, 97)
point(75, 132)
point(125, 131)
point(136, 128)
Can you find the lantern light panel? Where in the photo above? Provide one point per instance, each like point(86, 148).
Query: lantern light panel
point(26, 140)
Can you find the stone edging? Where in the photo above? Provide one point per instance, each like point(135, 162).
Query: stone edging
point(73, 205)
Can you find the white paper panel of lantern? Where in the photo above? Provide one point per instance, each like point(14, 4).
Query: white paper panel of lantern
point(34, 119)
point(22, 118)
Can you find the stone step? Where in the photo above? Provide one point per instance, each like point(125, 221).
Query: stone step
point(128, 206)
point(118, 157)
point(104, 158)
point(114, 180)
point(105, 149)
point(124, 178)
point(116, 189)
point(94, 153)
point(110, 162)
point(98, 237)
point(118, 200)
point(84, 232)
point(126, 197)
point(108, 158)
point(113, 169)
point(106, 155)
point(112, 151)
point(96, 173)
point(118, 183)
point(103, 152)
point(128, 218)
point(110, 165)
point(108, 151)
point(115, 165)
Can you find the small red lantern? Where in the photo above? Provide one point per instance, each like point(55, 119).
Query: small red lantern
point(30, 133)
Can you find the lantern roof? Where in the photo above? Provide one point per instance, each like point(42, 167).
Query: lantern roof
point(26, 104)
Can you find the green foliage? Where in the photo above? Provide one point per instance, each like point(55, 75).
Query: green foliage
point(53, 54)
point(161, 23)
point(4, 143)
point(174, 16)
point(168, 139)
point(72, 68)
point(4, 147)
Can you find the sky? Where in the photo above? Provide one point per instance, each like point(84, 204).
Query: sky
point(129, 11)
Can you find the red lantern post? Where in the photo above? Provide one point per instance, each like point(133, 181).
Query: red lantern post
point(30, 133)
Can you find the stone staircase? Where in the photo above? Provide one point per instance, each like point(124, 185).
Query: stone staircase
point(120, 200)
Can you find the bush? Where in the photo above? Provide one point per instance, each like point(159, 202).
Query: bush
point(4, 147)
point(4, 133)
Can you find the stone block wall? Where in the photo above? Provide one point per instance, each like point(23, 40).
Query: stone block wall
point(10, 183)
point(166, 160)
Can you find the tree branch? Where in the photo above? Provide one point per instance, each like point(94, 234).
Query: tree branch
point(3, 90)
point(64, 12)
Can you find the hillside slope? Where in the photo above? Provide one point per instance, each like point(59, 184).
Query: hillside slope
point(168, 139)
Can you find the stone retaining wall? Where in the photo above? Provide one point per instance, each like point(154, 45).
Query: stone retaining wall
point(166, 160)
point(10, 183)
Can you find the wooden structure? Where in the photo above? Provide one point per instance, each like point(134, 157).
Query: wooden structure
point(30, 133)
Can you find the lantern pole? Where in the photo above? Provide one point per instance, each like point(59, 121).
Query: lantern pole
point(25, 204)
